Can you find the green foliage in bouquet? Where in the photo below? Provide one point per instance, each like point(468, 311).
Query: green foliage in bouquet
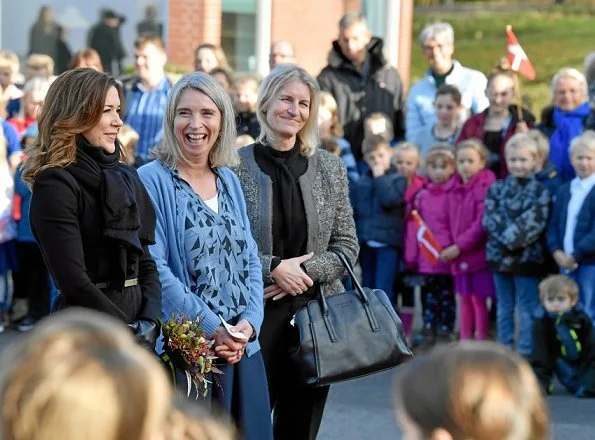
point(187, 348)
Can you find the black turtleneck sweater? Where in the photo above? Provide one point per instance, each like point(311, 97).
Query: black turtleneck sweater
point(79, 244)
point(290, 233)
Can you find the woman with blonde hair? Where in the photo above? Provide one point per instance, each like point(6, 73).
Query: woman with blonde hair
point(329, 126)
point(79, 375)
point(298, 206)
point(34, 93)
point(90, 213)
point(205, 254)
point(566, 118)
point(473, 390)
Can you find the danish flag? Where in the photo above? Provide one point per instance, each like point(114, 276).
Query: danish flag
point(519, 62)
point(429, 246)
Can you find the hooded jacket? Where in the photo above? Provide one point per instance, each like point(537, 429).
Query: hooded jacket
point(465, 206)
point(360, 95)
point(430, 203)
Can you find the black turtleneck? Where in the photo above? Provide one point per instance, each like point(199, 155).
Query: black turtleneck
point(290, 232)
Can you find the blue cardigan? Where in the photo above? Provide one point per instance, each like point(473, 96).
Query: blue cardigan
point(170, 256)
point(584, 233)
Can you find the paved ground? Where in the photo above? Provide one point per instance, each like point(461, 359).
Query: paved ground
point(362, 409)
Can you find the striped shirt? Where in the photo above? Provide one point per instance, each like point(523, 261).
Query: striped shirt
point(145, 111)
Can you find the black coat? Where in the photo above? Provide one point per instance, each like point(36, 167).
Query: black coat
point(357, 97)
point(106, 41)
point(546, 346)
point(67, 221)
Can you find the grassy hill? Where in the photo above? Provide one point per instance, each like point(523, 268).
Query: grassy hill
point(554, 38)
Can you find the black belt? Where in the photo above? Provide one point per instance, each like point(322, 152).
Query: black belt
point(127, 283)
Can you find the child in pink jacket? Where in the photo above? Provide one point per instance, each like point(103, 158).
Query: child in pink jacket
point(437, 289)
point(406, 160)
point(466, 254)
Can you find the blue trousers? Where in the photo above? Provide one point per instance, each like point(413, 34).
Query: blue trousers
point(513, 291)
point(379, 268)
point(584, 276)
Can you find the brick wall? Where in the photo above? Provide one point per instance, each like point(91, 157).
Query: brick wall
point(191, 22)
point(311, 26)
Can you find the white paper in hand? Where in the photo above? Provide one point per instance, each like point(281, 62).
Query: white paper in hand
point(237, 335)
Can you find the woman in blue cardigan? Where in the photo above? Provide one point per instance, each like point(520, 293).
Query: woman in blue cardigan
point(206, 257)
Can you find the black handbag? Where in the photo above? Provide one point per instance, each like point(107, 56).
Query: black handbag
point(348, 335)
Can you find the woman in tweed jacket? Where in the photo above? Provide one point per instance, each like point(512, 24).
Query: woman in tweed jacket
point(298, 206)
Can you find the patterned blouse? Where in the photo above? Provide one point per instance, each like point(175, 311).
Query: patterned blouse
point(216, 251)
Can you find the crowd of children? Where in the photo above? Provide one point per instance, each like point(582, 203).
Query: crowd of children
point(442, 221)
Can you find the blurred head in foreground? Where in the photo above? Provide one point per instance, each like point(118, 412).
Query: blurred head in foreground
point(470, 391)
point(79, 375)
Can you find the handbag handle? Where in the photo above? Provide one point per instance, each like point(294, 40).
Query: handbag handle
point(347, 265)
point(358, 288)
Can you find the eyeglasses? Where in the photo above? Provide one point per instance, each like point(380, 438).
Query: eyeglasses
point(431, 48)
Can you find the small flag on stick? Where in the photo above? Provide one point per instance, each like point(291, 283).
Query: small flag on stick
point(518, 59)
point(428, 245)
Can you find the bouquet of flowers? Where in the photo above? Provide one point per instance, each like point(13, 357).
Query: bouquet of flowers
point(186, 347)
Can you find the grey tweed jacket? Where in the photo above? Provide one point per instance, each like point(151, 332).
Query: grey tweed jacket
point(328, 214)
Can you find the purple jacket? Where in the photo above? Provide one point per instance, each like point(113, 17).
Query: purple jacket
point(430, 204)
point(465, 208)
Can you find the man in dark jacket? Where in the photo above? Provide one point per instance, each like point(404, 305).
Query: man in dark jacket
point(105, 38)
point(361, 81)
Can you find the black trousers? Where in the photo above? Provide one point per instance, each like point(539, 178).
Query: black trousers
point(32, 279)
point(438, 303)
point(297, 409)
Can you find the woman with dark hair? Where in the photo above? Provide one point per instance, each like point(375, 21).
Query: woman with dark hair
point(90, 213)
point(298, 206)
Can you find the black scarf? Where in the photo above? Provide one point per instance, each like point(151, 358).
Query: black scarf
point(289, 217)
point(128, 214)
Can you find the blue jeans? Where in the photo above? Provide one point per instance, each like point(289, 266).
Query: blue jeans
point(584, 276)
point(513, 291)
point(379, 268)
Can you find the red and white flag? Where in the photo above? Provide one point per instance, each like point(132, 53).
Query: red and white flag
point(428, 245)
point(518, 59)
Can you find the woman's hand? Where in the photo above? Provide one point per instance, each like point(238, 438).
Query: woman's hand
point(450, 253)
point(290, 277)
point(275, 292)
point(227, 347)
point(245, 328)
